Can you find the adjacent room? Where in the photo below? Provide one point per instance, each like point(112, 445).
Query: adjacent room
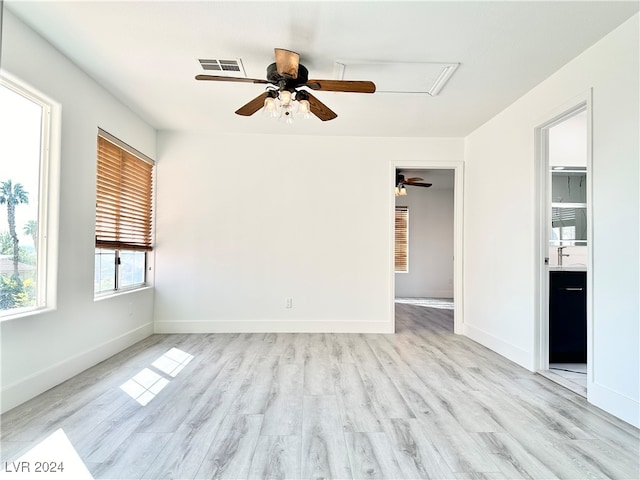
point(319, 239)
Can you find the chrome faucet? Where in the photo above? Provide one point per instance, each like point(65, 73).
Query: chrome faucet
point(560, 255)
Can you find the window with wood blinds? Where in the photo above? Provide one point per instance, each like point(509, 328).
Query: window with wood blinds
point(124, 192)
point(402, 239)
point(123, 216)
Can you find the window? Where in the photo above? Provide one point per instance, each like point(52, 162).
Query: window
point(123, 216)
point(25, 131)
point(402, 239)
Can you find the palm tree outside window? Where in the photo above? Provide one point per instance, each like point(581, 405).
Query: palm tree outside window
point(25, 126)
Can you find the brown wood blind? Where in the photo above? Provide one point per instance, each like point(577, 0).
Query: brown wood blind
point(123, 201)
point(402, 239)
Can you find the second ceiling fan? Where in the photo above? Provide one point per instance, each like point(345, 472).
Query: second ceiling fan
point(402, 182)
point(288, 82)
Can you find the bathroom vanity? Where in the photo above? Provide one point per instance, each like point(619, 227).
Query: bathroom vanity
point(567, 315)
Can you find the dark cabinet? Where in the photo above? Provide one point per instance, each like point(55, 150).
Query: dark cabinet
point(567, 317)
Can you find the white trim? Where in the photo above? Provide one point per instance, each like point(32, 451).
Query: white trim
point(123, 291)
point(578, 103)
point(615, 403)
point(508, 350)
point(18, 313)
point(443, 78)
point(25, 389)
point(271, 326)
point(48, 194)
point(125, 146)
point(458, 244)
point(437, 294)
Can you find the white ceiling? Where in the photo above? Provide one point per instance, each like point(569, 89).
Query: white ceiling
point(146, 53)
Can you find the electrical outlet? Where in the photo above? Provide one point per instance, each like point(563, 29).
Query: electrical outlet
point(289, 303)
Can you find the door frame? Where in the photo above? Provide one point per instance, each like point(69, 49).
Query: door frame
point(458, 243)
point(543, 209)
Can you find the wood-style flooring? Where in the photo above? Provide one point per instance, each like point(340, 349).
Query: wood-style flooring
point(423, 403)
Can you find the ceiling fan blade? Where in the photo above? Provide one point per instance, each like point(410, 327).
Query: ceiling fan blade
point(287, 62)
point(418, 184)
point(320, 110)
point(356, 86)
point(414, 179)
point(219, 78)
point(253, 106)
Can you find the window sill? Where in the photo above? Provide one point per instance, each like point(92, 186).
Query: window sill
point(26, 313)
point(118, 293)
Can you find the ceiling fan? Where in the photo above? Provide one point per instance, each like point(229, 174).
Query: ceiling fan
point(402, 182)
point(287, 81)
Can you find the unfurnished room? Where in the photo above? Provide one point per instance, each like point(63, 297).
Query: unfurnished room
point(316, 239)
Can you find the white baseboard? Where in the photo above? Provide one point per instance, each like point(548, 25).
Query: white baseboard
point(431, 294)
point(19, 392)
point(278, 326)
point(506, 349)
point(615, 403)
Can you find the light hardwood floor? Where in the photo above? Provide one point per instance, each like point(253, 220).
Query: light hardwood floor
point(423, 403)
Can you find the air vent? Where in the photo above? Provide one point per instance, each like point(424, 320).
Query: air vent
point(232, 68)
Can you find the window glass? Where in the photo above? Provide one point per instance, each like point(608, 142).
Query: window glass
point(23, 135)
point(105, 271)
point(132, 268)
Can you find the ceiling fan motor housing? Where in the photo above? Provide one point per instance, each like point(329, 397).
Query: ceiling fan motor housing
point(285, 82)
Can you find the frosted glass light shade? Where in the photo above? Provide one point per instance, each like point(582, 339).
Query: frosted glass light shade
point(285, 97)
point(270, 108)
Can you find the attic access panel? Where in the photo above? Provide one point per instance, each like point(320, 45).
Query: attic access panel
point(398, 77)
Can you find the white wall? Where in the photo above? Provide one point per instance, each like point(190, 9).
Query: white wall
point(261, 222)
point(568, 142)
point(40, 351)
point(430, 243)
point(500, 224)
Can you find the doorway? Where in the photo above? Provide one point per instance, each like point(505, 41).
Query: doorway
point(447, 175)
point(564, 178)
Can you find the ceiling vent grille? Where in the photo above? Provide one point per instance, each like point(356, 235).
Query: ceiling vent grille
point(232, 68)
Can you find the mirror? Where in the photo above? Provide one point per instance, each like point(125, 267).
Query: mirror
point(568, 206)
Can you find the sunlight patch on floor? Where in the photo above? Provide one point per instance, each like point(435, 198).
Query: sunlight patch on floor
point(54, 457)
point(146, 384)
point(173, 361)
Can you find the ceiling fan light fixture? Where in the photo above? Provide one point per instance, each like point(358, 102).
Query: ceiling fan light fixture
point(284, 78)
point(286, 113)
point(403, 191)
point(285, 97)
point(304, 108)
point(270, 108)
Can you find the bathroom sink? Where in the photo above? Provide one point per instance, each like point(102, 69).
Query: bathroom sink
point(568, 268)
